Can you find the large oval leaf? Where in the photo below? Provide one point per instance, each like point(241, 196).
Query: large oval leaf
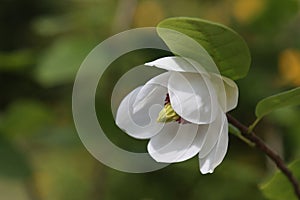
point(284, 99)
point(226, 48)
point(279, 187)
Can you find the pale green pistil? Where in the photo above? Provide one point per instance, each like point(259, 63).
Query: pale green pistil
point(167, 114)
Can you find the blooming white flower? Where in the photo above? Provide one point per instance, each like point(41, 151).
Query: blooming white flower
point(182, 112)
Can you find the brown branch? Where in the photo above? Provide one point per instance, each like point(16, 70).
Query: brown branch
point(268, 151)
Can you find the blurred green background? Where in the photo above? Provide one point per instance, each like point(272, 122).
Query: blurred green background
point(42, 44)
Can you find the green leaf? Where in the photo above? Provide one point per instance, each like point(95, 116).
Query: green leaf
point(281, 100)
point(277, 11)
point(228, 50)
point(60, 62)
point(14, 163)
point(16, 60)
point(24, 118)
point(278, 187)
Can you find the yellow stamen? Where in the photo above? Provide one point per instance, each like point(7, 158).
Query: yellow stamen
point(167, 114)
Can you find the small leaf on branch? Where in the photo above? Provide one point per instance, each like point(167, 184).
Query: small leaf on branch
point(281, 100)
point(278, 187)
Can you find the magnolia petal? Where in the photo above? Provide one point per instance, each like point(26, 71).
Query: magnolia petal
point(174, 143)
point(141, 124)
point(232, 93)
point(214, 130)
point(151, 90)
point(217, 154)
point(197, 144)
point(193, 97)
point(179, 64)
point(227, 91)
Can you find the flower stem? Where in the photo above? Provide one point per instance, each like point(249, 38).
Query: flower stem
point(236, 132)
point(250, 135)
point(252, 126)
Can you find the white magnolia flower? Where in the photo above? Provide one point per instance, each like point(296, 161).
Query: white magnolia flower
point(182, 112)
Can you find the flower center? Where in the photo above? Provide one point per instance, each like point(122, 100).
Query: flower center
point(167, 114)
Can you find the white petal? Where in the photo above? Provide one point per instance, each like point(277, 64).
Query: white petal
point(227, 91)
point(193, 97)
point(196, 145)
point(179, 64)
point(151, 90)
point(175, 143)
point(216, 156)
point(141, 124)
point(214, 131)
point(232, 93)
